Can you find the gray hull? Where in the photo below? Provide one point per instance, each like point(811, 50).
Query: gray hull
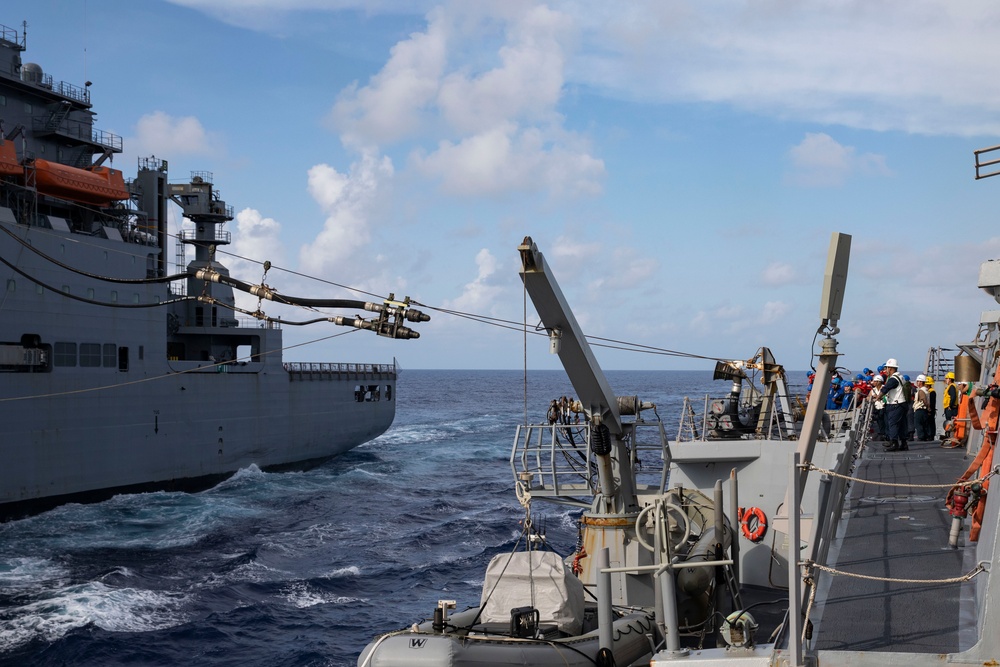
point(120, 371)
point(159, 423)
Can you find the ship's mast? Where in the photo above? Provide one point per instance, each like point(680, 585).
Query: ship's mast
point(202, 205)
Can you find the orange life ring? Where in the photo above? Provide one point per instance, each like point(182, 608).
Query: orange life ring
point(753, 515)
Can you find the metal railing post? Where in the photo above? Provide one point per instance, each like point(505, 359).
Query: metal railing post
point(794, 580)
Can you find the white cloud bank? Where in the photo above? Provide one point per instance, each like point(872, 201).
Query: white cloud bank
point(348, 201)
point(161, 133)
point(820, 161)
point(488, 130)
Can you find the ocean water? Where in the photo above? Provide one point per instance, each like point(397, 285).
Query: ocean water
point(298, 568)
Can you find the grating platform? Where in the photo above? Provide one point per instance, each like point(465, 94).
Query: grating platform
point(899, 533)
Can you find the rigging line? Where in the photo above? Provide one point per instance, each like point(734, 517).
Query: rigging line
point(175, 237)
point(301, 275)
point(7, 292)
point(176, 276)
point(500, 322)
point(652, 350)
point(200, 369)
point(524, 308)
point(659, 350)
point(94, 302)
point(157, 304)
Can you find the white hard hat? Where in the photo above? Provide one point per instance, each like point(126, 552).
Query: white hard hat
point(921, 378)
point(877, 378)
point(892, 362)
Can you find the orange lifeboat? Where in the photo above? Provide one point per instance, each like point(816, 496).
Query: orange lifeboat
point(9, 166)
point(97, 185)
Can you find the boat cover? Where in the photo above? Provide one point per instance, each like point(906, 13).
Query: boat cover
point(538, 579)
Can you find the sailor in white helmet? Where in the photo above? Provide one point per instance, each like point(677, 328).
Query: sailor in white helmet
point(896, 401)
point(921, 410)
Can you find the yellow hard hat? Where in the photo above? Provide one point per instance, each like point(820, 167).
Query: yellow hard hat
point(929, 380)
point(949, 376)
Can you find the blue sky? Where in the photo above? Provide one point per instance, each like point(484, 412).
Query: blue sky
point(680, 164)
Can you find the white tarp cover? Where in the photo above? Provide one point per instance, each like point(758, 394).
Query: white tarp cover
point(538, 579)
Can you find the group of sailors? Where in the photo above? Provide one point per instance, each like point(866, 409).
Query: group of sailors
point(905, 410)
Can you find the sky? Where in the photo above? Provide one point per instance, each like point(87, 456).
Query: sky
point(680, 164)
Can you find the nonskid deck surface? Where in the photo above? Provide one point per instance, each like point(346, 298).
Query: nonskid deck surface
point(899, 533)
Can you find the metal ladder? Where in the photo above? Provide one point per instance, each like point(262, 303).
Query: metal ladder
point(937, 363)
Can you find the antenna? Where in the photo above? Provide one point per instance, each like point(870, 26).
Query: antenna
point(835, 279)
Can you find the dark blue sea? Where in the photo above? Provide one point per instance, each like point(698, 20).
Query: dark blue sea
point(300, 568)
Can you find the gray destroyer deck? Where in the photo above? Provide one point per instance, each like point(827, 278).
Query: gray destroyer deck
point(898, 532)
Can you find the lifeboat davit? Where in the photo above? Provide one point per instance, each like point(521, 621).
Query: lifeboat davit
point(9, 166)
point(96, 185)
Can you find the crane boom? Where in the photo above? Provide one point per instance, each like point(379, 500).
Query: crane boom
point(584, 373)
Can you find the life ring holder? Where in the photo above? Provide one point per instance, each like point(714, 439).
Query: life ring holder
point(664, 509)
point(753, 515)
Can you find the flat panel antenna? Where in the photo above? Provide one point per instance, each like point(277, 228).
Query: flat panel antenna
point(835, 278)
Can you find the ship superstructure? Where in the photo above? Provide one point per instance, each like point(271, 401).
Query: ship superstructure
point(115, 374)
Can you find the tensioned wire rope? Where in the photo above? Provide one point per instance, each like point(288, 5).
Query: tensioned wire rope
point(608, 343)
point(482, 319)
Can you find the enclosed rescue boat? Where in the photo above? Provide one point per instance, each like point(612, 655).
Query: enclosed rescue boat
point(96, 185)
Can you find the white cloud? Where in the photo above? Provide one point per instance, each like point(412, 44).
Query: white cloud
point(773, 311)
point(487, 128)
point(920, 66)
point(393, 104)
point(777, 274)
point(526, 83)
point(820, 161)
point(823, 62)
point(349, 201)
point(259, 238)
point(256, 238)
point(481, 294)
point(162, 133)
point(572, 252)
point(632, 274)
point(741, 320)
point(507, 158)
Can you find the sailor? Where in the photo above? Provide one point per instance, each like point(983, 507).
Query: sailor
point(848, 395)
point(879, 418)
point(911, 422)
point(949, 402)
point(931, 406)
point(861, 387)
point(835, 397)
point(921, 412)
point(896, 401)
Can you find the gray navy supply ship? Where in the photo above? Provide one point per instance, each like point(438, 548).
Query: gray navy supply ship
point(118, 376)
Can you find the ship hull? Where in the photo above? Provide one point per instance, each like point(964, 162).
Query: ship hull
point(138, 419)
point(127, 362)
